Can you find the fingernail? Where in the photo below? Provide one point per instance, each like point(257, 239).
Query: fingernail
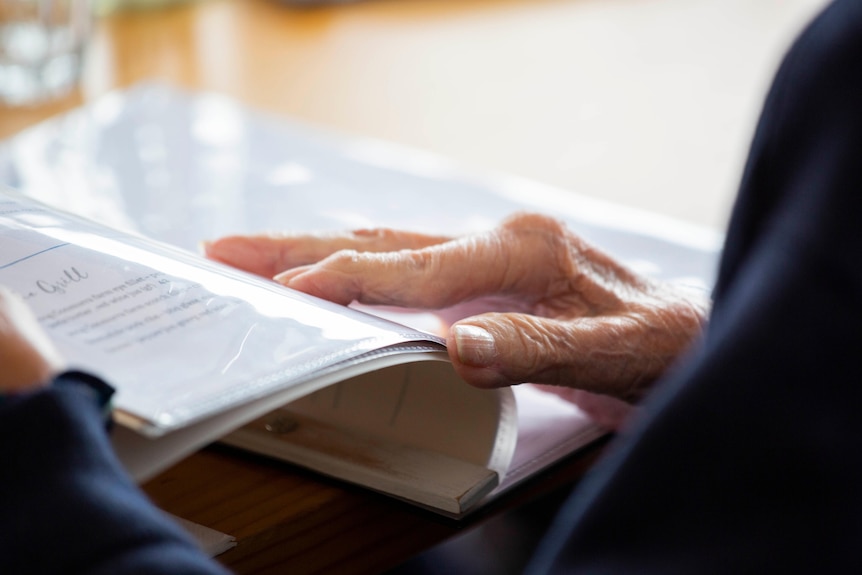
point(475, 345)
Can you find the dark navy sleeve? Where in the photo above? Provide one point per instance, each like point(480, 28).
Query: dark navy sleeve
point(748, 458)
point(67, 504)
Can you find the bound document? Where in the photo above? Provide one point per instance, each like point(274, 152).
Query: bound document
point(200, 352)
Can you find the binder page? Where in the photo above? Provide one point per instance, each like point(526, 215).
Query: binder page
point(411, 430)
point(549, 428)
point(425, 406)
point(178, 336)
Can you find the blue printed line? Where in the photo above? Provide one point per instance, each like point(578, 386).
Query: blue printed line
point(18, 261)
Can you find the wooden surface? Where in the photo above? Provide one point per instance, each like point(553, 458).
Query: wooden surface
point(287, 520)
point(648, 103)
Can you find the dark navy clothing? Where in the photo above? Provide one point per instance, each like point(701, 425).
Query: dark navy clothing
point(749, 458)
point(66, 505)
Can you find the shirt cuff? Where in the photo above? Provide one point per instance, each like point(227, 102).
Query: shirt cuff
point(96, 388)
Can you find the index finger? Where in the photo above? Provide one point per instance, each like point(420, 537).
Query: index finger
point(269, 254)
point(511, 261)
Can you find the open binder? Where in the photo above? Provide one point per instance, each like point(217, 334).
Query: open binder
point(256, 365)
point(196, 349)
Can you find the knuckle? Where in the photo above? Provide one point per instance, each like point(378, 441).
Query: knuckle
point(344, 258)
point(375, 236)
point(531, 222)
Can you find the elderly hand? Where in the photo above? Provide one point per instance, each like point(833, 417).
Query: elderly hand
point(27, 356)
point(554, 309)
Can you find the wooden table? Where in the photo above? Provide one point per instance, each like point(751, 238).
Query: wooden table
point(287, 520)
point(651, 104)
point(647, 103)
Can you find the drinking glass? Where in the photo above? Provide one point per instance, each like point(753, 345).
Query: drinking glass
point(42, 46)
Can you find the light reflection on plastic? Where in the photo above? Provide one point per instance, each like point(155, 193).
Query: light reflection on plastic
point(239, 350)
point(216, 121)
point(37, 219)
point(271, 301)
point(386, 155)
point(108, 109)
point(289, 174)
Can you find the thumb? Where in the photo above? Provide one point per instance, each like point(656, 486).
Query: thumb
point(593, 353)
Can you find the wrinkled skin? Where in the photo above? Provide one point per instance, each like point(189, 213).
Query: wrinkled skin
point(27, 356)
point(528, 301)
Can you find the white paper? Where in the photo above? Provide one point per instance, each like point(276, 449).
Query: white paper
point(135, 312)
